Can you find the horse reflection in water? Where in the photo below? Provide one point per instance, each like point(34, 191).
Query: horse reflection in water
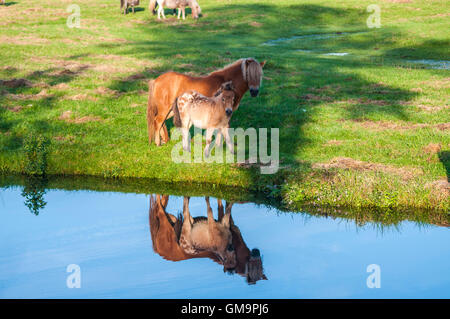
point(183, 237)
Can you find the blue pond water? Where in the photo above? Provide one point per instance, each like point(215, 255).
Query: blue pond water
point(108, 236)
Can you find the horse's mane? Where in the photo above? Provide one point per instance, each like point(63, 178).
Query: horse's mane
point(230, 65)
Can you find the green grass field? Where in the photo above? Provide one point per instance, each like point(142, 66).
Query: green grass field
point(365, 130)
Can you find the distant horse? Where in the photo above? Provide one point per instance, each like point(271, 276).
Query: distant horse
point(210, 113)
point(244, 73)
point(176, 4)
point(165, 231)
point(125, 4)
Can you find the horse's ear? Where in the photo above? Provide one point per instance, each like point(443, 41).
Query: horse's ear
point(228, 86)
point(263, 63)
point(226, 220)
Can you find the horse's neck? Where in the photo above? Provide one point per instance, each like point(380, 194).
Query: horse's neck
point(234, 73)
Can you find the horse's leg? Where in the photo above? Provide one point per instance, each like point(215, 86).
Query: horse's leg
point(218, 139)
point(157, 135)
point(186, 228)
point(220, 209)
point(228, 207)
point(160, 124)
point(159, 12)
point(184, 13)
point(133, 10)
point(228, 139)
point(210, 212)
point(186, 213)
point(209, 134)
point(186, 139)
point(165, 133)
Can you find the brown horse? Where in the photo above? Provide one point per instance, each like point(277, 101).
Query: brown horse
point(165, 231)
point(246, 74)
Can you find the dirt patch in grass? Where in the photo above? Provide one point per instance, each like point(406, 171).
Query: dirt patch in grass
point(333, 143)
point(61, 86)
point(438, 83)
point(101, 90)
point(432, 149)
point(256, 24)
point(398, 1)
point(61, 138)
point(16, 83)
point(327, 88)
point(81, 97)
point(386, 125)
point(16, 108)
point(432, 108)
point(313, 97)
point(365, 101)
point(23, 40)
point(352, 164)
point(41, 95)
point(440, 188)
point(67, 116)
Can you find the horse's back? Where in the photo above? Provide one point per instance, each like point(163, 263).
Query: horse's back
point(180, 83)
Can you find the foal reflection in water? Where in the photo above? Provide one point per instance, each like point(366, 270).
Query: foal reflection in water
point(184, 237)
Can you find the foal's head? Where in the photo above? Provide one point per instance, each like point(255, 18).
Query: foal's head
point(225, 96)
point(252, 71)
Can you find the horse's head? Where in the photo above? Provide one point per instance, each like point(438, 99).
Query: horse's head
point(254, 268)
point(195, 8)
point(252, 71)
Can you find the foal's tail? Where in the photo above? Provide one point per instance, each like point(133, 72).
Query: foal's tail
point(176, 114)
point(152, 5)
point(151, 112)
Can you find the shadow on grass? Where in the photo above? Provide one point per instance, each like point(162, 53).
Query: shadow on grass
point(444, 157)
point(7, 4)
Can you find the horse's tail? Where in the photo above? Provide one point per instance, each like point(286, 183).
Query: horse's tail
point(152, 5)
point(176, 114)
point(151, 112)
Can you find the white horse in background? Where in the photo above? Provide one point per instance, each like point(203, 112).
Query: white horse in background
point(176, 4)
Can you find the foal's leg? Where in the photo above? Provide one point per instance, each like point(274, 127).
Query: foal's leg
point(228, 139)
point(184, 13)
point(218, 139)
point(186, 139)
point(179, 13)
point(186, 228)
point(210, 212)
point(209, 134)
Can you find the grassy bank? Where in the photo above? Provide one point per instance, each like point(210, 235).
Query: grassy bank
point(368, 129)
